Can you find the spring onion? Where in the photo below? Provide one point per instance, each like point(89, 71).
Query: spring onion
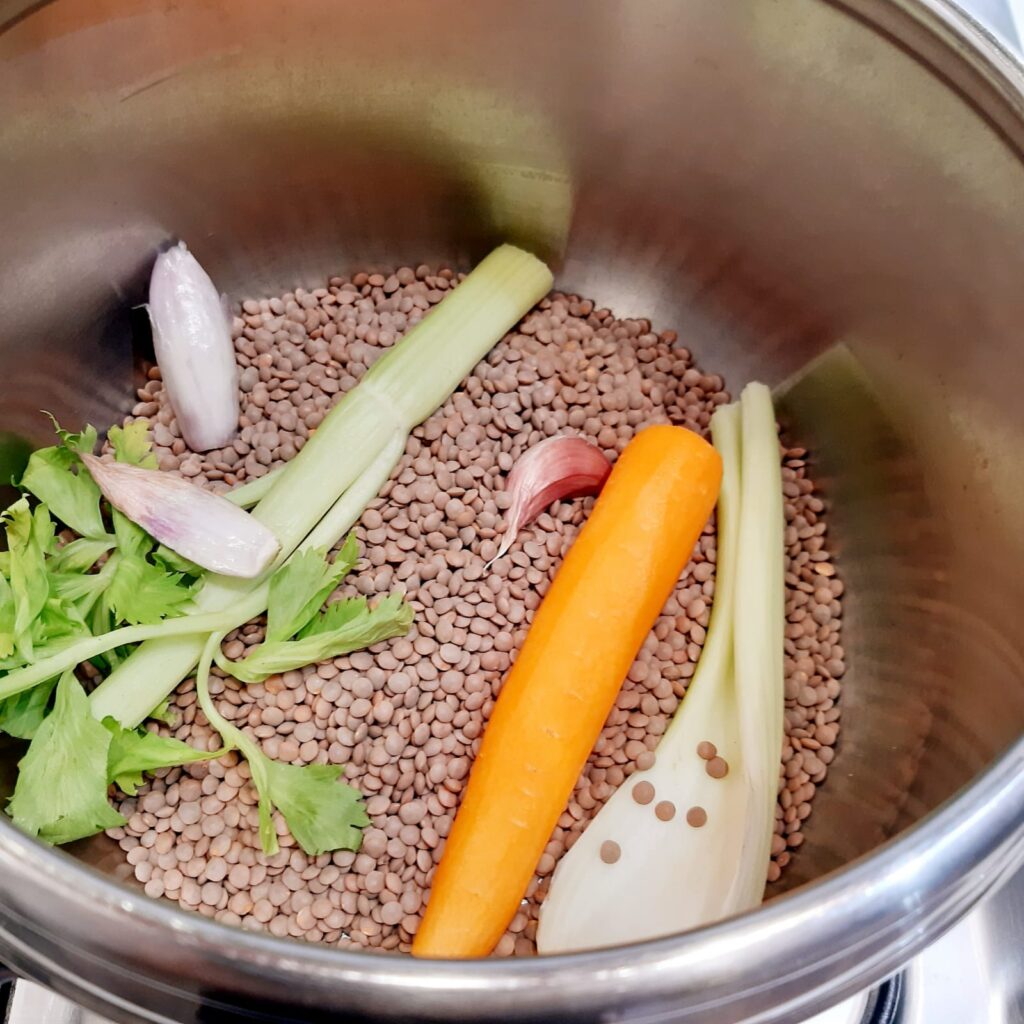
point(692, 844)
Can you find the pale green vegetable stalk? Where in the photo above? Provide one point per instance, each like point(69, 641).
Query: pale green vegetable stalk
point(759, 627)
point(352, 449)
point(671, 876)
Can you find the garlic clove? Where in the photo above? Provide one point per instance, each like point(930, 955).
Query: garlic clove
point(555, 469)
point(198, 524)
point(192, 339)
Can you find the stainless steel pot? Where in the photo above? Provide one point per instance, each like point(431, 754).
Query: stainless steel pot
point(769, 178)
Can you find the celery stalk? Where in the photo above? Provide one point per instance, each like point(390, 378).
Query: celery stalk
point(760, 631)
point(671, 876)
point(329, 481)
point(403, 388)
point(345, 512)
point(127, 693)
point(183, 628)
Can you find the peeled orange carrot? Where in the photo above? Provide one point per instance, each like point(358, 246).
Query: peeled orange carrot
point(587, 631)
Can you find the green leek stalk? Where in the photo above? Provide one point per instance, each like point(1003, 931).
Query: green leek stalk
point(329, 482)
point(671, 876)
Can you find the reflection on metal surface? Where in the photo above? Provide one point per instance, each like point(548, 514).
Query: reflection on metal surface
point(33, 1004)
point(767, 179)
point(997, 15)
point(849, 1012)
point(976, 971)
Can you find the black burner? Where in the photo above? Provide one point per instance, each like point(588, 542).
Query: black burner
point(884, 1004)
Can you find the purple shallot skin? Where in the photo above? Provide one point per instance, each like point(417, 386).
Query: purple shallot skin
point(199, 525)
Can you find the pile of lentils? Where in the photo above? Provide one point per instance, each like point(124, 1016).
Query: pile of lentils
point(406, 717)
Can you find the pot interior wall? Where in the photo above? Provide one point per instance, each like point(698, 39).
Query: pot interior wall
point(770, 180)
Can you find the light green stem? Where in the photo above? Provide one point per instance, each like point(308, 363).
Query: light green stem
point(345, 512)
point(254, 491)
point(90, 647)
point(232, 736)
point(235, 738)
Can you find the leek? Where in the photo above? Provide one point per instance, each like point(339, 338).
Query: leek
point(355, 448)
point(672, 876)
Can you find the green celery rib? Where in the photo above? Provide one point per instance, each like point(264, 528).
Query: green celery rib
point(127, 693)
point(403, 388)
point(345, 512)
point(735, 700)
point(760, 625)
point(648, 898)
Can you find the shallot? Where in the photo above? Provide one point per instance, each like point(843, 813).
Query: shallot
point(198, 524)
point(192, 339)
point(556, 468)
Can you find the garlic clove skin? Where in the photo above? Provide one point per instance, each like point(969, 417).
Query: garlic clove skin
point(192, 339)
point(555, 469)
point(198, 524)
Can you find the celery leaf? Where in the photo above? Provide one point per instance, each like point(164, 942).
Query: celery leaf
point(140, 591)
point(83, 441)
point(8, 613)
point(322, 813)
point(22, 714)
point(299, 588)
point(29, 539)
point(81, 554)
point(134, 751)
point(61, 792)
point(57, 478)
point(163, 713)
point(345, 626)
point(132, 444)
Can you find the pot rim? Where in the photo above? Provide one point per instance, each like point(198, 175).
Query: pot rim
point(894, 899)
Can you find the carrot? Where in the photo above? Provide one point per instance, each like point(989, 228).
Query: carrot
point(586, 633)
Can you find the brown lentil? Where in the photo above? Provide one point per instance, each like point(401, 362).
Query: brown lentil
point(610, 851)
point(717, 767)
point(696, 817)
point(643, 792)
point(665, 810)
point(406, 717)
